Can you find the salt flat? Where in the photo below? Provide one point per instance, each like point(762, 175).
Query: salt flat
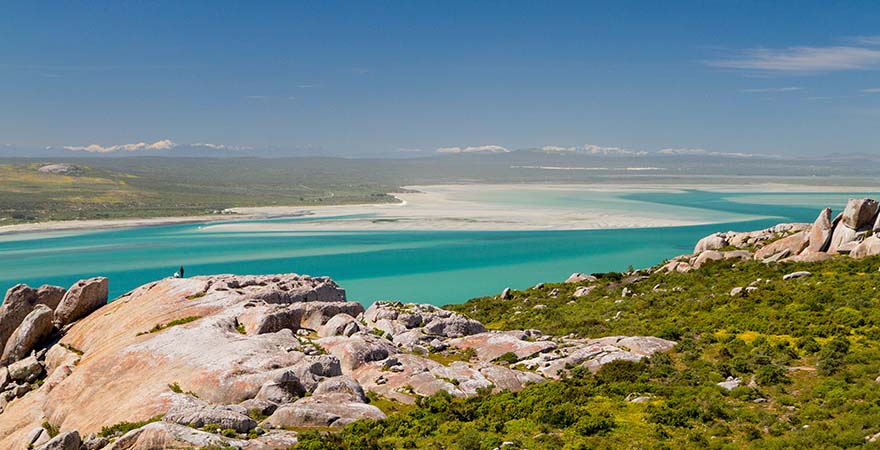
point(512, 207)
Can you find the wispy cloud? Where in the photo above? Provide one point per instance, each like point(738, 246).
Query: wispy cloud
point(475, 149)
point(700, 152)
point(866, 40)
point(875, 90)
point(409, 150)
point(220, 146)
point(772, 89)
point(255, 97)
point(308, 85)
point(593, 149)
point(163, 144)
point(801, 60)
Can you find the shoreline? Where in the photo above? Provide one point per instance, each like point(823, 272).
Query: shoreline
point(433, 207)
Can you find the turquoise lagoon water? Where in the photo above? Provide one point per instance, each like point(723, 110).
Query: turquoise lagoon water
point(413, 266)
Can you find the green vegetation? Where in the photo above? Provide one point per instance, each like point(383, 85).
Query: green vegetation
point(71, 348)
point(52, 430)
point(508, 358)
point(806, 352)
point(159, 327)
point(124, 427)
point(116, 188)
point(448, 357)
point(178, 390)
point(240, 328)
point(196, 295)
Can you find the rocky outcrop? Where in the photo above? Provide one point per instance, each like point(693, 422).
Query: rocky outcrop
point(793, 244)
point(355, 351)
point(64, 441)
point(36, 327)
point(492, 345)
point(208, 353)
point(197, 414)
point(868, 247)
point(712, 255)
point(81, 300)
point(395, 318)
point(580, 278)
point(316, 314)
point(162, 435)
point(594, 353)
point(18, 303)
point(336, 402)
point(820, 232)
point(715, 241)
point(848, 233)
point(860, 214)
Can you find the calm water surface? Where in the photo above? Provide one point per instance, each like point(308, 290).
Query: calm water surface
point(411, 266)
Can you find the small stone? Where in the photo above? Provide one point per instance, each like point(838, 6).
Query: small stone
point(795, 275)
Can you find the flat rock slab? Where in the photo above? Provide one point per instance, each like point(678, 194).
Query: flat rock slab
point(490, 345)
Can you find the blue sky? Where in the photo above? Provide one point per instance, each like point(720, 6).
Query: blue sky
point(395, 78)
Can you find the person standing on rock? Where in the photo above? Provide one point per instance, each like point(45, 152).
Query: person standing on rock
point(179, 273)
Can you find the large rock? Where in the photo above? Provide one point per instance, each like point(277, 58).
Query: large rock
point(282, 289)
point(166, 435)
point(454, 326)
point(35, 328)
point(860, 213)
point(712, 255)
point(395, 318)
point(715, 241)
point(843, 240)
point(341, 324)
point(316, 314)
point(64, 441)
point(198, 414)
point(344, 386)
point(81, 299)
point(321, 411)
point(18, 303)
point(50, 295)
point(594, 353)
point(810, 257)
point(357, 350)
point(405, 376)
point(26, 370)
point(270, 319)
point(491, 345)
point(868, 247)
point(821, 231)
point(336, 402)
point(795, 244)
point(580, 278)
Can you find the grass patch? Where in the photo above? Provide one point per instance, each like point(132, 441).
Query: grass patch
point(124, 427)
point(160, 327)
point(196, 295)
point(71, 348)
point(52, 430)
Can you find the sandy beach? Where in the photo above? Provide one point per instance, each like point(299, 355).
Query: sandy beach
point(476, 208)
point(473, 207)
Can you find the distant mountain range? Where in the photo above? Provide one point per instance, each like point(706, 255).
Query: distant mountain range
point(525, 164)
